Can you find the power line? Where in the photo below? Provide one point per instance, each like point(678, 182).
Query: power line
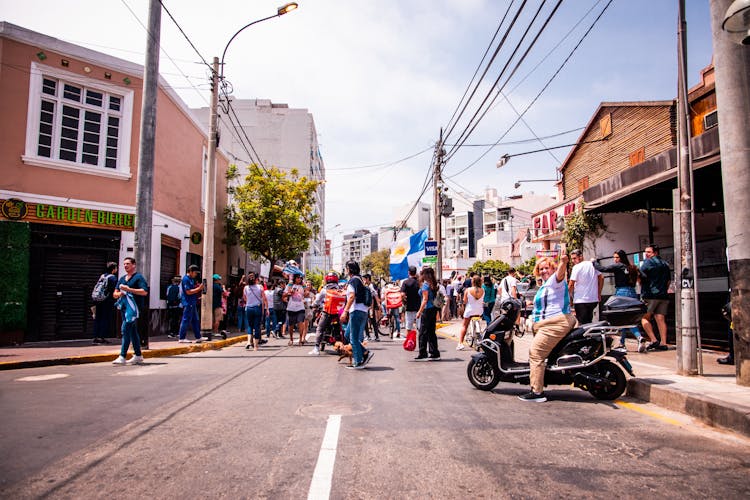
point(468, 131)
point(185, 35)
point(546, 85)
point(384, 164)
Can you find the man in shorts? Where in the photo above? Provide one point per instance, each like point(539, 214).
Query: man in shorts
point(412, 299)
point(655, 277)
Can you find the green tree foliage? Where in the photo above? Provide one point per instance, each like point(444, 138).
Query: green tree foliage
point(494, 268)
point(315, 277)
point(527, 268)
point(14, 274)
point(272, 216)
point(378, 264)
point(580, 225)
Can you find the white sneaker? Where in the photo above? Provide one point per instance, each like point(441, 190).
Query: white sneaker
point(183, 341)
point(119, 361)
point(135, 360)
point(460, 347)
point(314, 352)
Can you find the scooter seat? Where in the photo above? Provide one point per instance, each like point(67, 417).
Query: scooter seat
point(578, 332)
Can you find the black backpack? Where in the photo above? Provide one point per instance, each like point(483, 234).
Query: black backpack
point(365, 296)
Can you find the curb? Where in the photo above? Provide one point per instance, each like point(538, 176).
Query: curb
point(101, 358)
point(708, 410)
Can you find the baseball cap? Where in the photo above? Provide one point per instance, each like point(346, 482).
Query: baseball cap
point(217, 277)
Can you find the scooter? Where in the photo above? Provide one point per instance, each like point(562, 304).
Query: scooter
point(584, 357)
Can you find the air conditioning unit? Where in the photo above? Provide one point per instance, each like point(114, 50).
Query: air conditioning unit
point(710, 120)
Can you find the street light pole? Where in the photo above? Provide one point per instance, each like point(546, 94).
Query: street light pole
point(687, 335)
point(217, 76)
point(210, 209)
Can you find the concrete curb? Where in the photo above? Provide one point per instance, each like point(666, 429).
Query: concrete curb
point(101, 358)
point(708, 410)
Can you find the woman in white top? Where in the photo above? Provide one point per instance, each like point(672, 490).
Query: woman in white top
point(255, 305)
point(473, 306)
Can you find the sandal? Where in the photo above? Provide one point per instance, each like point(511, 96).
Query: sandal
point(290, 344)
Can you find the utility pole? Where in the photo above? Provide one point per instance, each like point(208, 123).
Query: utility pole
point(687, 335)
point(144, 197)
point(732, 62)
point(207, 312)
point(437, 203)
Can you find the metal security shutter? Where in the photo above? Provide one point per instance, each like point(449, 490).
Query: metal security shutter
point(65, 265)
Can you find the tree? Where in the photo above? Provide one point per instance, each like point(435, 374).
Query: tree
point(527, 268)
point(272, 216)
point(580, 225)
point(495, 268)
point(378, 263)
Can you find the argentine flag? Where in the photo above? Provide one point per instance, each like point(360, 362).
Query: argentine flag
point(405, 253)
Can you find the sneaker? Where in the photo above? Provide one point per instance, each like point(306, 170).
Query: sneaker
point(368, 357)
point(653, 346)
point(119, 361)
point(183, 341)
point(433, 358)
point(376, 339)
point(661, 347)
point(171, 335)
point(460, 347)
point(355, 367)
point(421, 358)
point(135, 360)
point(314, 352)
point(642, 345)
point(248, 346)
point(533, 397)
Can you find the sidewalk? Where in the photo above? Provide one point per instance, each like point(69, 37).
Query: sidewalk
point(713, 398)
point(75, 352)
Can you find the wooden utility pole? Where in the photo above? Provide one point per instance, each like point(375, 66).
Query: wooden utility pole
point(437, 204)
point(144, 197)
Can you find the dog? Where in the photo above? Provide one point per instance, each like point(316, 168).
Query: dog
point(344, 350)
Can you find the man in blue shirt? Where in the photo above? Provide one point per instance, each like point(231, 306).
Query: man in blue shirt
point(191, 288)
point(131, 292)
point(655, 278)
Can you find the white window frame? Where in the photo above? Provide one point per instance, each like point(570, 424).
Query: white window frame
point(31, 157)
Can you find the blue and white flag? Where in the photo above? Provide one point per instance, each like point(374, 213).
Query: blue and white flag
point(405, 253)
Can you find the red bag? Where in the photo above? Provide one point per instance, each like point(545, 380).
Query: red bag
point(411, 340)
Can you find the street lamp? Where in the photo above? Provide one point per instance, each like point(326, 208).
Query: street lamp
point(518, 183)
point(737, 22)
point(217, 74)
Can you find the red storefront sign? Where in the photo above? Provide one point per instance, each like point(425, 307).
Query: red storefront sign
point(546, 222)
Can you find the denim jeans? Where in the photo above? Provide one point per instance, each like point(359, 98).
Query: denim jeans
point(487, 311)
point(254, 315)
point(130, 334)
point(270, 321)
point(190, 318)
point(397, 318)
point(241, 318)
point(355, 331)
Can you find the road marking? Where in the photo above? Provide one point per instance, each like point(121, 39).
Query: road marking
point(653, 414)
point(320, 487)
point(41, 378)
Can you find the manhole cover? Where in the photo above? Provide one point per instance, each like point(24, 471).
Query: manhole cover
point(323, 410)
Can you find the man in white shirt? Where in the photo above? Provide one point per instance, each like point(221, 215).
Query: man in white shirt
point(507, 286)
point(585, 287)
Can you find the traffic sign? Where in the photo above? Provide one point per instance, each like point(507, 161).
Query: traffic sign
point(430, 259)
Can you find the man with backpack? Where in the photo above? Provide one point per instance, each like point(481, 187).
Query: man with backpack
point(174, 307)
point(358, 301)
point(104, 303)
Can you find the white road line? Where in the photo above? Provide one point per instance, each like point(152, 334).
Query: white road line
point(320, 486)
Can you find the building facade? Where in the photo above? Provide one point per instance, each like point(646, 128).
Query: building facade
point(358, 245)
point(281, 137)
point(69, 148)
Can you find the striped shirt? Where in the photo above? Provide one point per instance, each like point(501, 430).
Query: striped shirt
point(551, 299)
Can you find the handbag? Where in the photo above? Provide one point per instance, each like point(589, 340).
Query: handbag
point(411, 340)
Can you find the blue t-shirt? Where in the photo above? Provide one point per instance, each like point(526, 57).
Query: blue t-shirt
point(136, 281)
point(188, 283)
point(430, 295)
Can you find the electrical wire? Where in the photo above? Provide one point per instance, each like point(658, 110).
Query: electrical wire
point(185, 35)
point(546, 85)
point(469, 130)
point(383, 164)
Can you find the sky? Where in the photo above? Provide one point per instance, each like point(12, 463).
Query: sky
point(382, 77)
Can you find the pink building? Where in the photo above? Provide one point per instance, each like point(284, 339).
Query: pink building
point(69, 137)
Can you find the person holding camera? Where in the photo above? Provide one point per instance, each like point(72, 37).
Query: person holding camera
point(191, 289)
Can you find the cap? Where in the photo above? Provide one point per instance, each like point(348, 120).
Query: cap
point(217, 277)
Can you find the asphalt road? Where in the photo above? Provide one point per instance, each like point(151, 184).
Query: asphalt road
point(237, 424)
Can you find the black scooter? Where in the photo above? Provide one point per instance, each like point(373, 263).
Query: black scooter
point(584, 358)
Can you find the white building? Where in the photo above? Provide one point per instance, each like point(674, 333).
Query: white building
point(281, 137)
point(418, 219)
point(358, 245)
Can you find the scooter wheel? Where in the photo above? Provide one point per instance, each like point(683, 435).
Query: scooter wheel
point(482, 374)
point(616, 381)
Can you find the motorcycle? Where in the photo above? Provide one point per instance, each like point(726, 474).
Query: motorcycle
point(584, 357)
point(333, 333)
